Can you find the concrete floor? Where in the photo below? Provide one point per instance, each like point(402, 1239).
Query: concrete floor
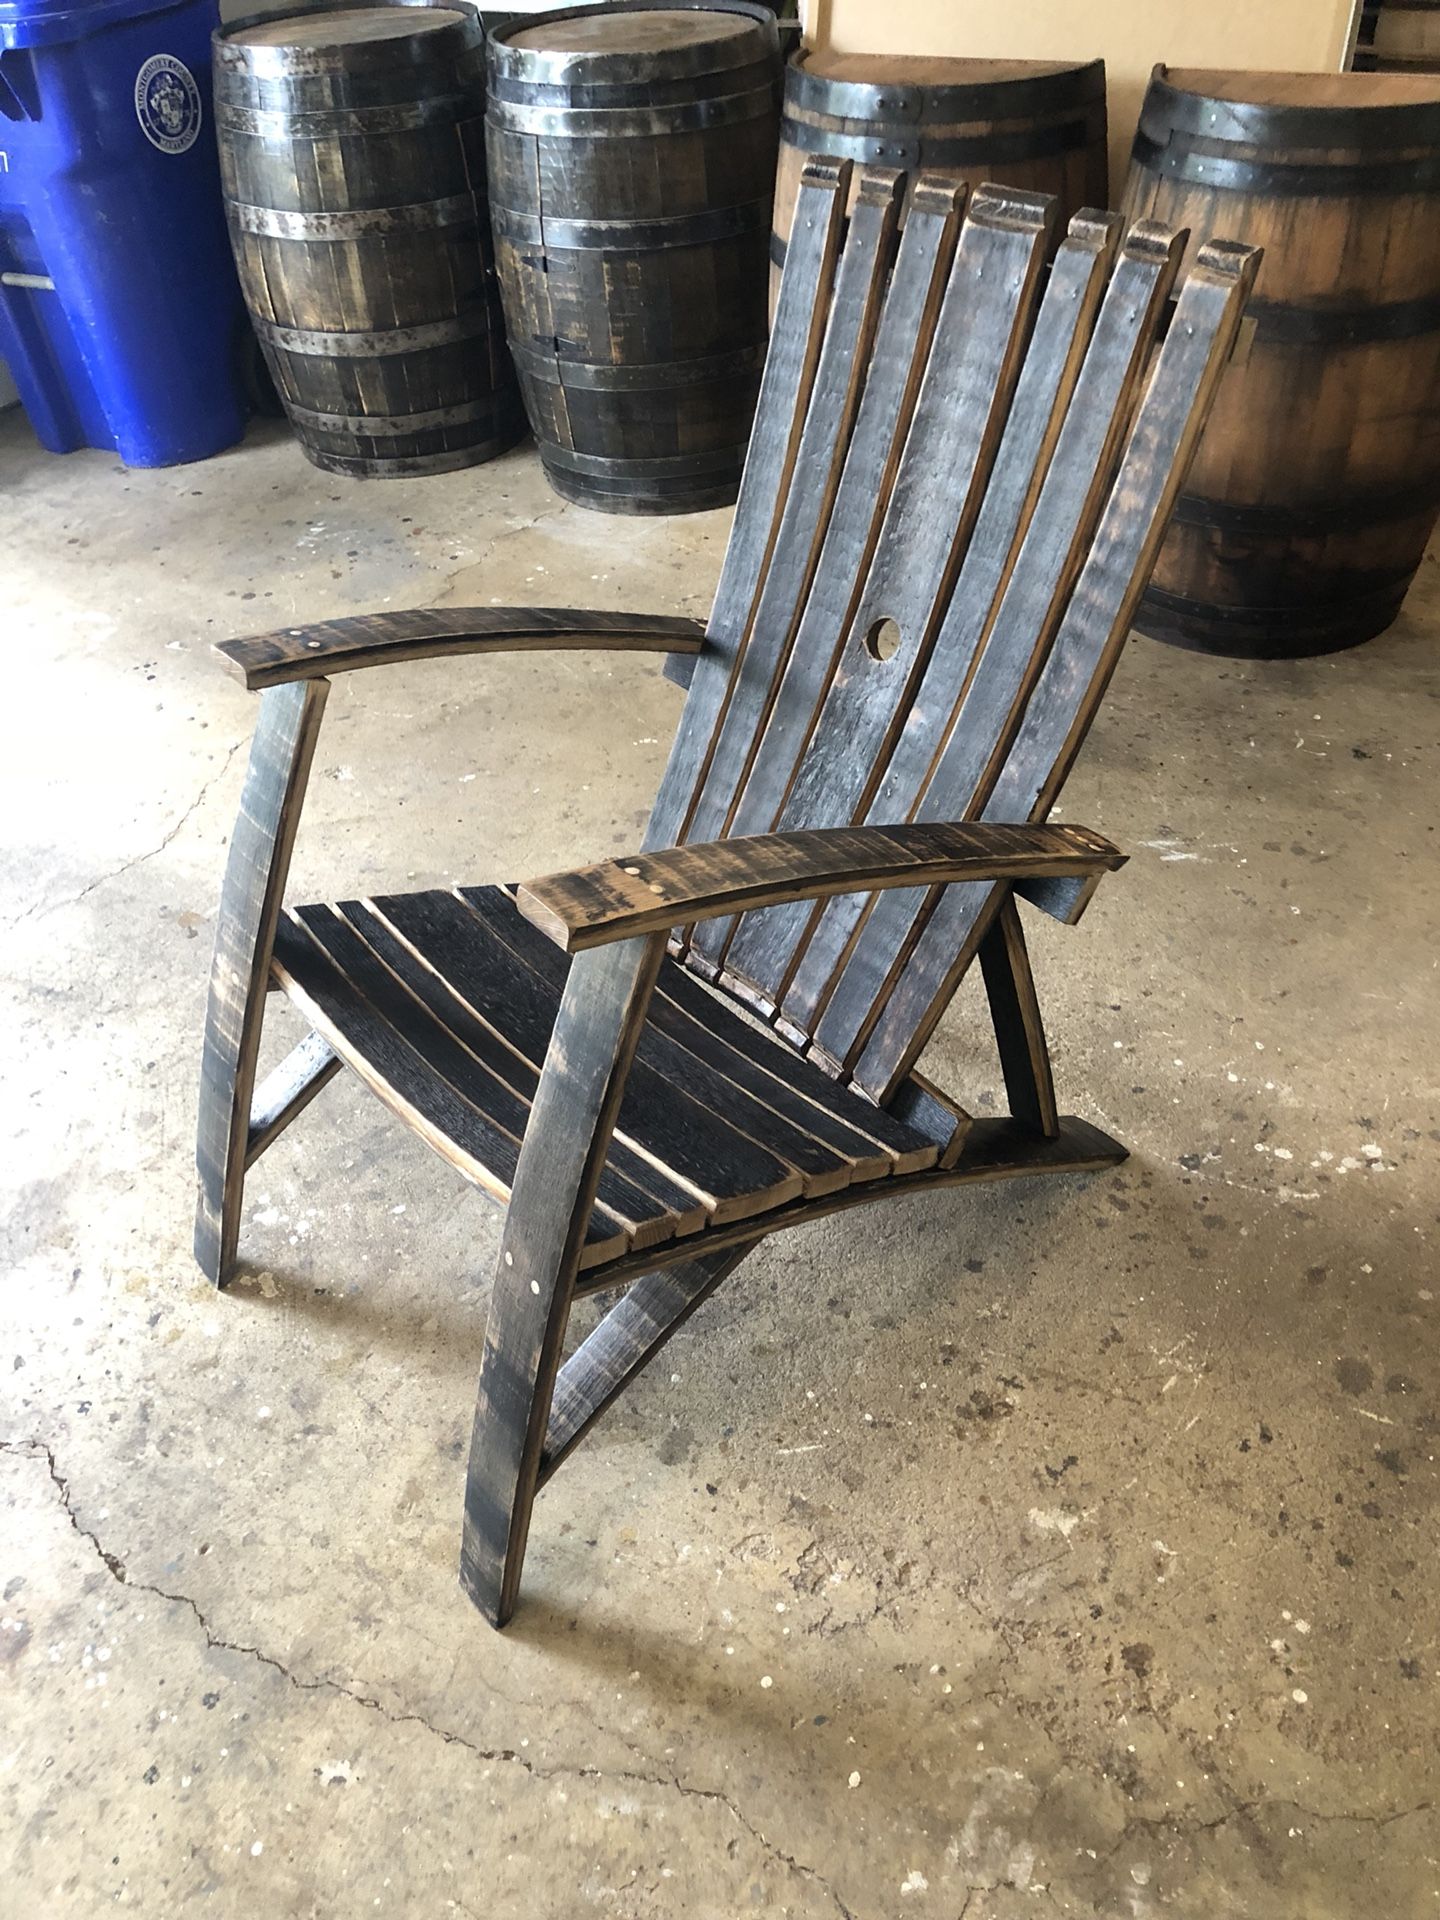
point(1063, 1548)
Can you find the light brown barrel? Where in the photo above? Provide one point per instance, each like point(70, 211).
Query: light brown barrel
point(632, 163)
point(1020, 123)
point(1399, 36)
point(352, 155)
point(1316, 484)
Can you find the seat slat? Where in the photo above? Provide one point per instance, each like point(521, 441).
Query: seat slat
point(1047, 382)
point(970, 751)
point(683, 1068)
point(375, 1023)
point(994, 1149)
point(399, 1073)
point(908, 1150)
point(659, 1120)
point(827, 1151)
point(790, 366)
point(1075, 675)
point(969, 378)
point(514, 1048)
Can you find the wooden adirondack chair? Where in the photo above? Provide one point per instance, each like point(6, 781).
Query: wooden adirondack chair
point(960, 472)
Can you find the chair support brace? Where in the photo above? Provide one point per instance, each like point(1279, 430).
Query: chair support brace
point(625, 1342)
point(1019, 1031)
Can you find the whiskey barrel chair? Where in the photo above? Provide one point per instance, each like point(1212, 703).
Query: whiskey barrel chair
point(961, 469)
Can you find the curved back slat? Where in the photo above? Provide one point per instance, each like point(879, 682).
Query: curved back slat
point(790, 368)
point(1037, 423)
point(960, 476)
point(891, 385)
point(967, 747)
point(834, 400)
point(974, 358)
point(1097, 620)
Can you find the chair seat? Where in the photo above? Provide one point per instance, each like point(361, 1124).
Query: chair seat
point(444, 1003)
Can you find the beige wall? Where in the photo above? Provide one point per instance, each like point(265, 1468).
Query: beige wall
point(1129, 35)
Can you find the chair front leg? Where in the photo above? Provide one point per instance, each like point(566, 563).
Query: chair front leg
point(260, 848)
point(1019, 1031)
point(561, 1159)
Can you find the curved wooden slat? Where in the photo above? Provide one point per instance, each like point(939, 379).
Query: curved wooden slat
point(618, 900)
point(839, 382)
point(785, 388)
point(1040, 412)
point(1002, 1149)
point(798, 681)
point(967, 745)
point(259, 859)
point(712, 1138)
point(550, 1216)
point(446, 1008)
point(891, 628)
point(1077, 671)
point(375, 639)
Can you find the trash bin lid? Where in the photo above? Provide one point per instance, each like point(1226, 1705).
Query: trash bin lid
point(41, 23)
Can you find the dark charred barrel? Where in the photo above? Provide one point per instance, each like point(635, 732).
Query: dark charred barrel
point(352, 155)
point(1020, 123)
point(1316, 484)
point(632, 164)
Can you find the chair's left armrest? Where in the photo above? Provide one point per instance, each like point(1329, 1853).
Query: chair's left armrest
point(374, 639)
point(619, 899)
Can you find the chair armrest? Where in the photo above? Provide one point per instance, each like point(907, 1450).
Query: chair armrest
point(619, 899)
point(373, 639)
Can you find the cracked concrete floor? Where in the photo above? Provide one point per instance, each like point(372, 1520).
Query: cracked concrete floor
point(1060, 1548)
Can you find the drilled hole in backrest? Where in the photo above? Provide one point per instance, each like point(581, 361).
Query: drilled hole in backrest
point(882, 640)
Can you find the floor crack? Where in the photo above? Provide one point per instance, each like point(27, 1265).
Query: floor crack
point(39, 1450)
point(482, 559)
point(39, 912)
point(1182, 1829)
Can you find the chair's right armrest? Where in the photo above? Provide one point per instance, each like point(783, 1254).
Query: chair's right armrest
point(651, 892)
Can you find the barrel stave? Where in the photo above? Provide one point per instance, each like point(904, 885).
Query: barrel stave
point(335, 169)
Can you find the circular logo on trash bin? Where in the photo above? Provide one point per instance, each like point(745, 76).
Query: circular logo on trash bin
point(167, 103)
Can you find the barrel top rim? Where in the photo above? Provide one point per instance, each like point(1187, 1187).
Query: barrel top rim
point(1306, 92)
point(317, 27)
point(654, 30)
point(921, 70)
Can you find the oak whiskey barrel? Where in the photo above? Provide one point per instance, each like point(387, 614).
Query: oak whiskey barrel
point(632, 163)
point(1019, 123)
point(1316, 484)
point(352, 157)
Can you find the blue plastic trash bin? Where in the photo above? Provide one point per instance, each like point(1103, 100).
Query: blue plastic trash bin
point(120, 313)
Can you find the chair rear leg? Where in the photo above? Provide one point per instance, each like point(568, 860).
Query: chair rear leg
point(1019, 1030)
point(260, 848)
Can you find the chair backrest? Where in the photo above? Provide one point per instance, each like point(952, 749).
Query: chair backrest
point(959, 476)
